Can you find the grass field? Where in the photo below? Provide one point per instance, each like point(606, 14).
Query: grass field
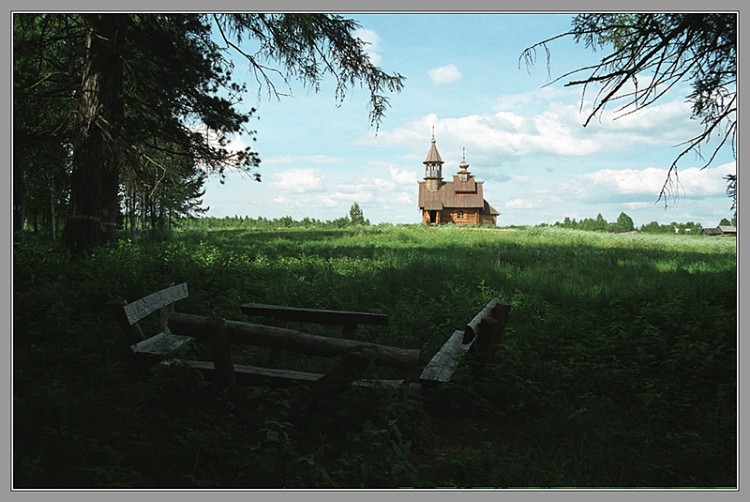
point(617, 367)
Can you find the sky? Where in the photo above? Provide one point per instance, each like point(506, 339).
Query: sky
point(522, 135)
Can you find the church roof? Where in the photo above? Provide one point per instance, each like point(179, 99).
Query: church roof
point(490, 210)
point(433, 157)
point(468, 186)
point(446, 196)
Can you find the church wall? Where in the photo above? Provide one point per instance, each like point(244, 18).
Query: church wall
point(461, 216)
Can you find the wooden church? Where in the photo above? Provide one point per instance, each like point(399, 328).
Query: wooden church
point(460, 201)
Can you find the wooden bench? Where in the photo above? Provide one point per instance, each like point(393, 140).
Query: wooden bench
point(477, 341)
point(162, 345)
point(223, 333)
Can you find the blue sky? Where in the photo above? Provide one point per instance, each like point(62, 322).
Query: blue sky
point(524, 139)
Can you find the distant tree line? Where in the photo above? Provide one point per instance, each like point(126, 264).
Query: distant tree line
point(624, 223)
point(354, 218)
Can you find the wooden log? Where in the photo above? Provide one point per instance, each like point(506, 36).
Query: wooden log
point(217, 328)
point(254, 375)
point(132, 331)
point(472, 328)
point(314, 315)
point(486, 337)
point(137, 310)
point(441, 367)
point(490, 332)
point(500, 312)
point(292, 340)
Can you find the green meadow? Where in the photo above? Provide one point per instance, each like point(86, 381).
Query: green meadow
point(617, 368)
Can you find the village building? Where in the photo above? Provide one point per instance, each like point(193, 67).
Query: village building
point(723, 230)
point(460, 201)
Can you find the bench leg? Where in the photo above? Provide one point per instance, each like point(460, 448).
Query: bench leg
point(223, 365)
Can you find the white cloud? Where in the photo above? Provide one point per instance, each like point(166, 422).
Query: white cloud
point(690, 182)
point(536, 199)
point(372, 43)
point(497, 136)
point(403, 176)
point(297, 181)
point(363, 195)
point(517, 133)
point(237, 144)
point(444, 75)
point(519, 203)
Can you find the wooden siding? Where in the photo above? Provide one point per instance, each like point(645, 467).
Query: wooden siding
point(461, 217)
point(470, 217)
point(457, 202)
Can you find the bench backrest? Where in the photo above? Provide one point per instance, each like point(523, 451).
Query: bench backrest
point(128, 316)
point(137, 310)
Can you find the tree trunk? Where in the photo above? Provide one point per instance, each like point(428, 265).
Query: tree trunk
point(18, 196)
point(52, 212)
point(144, 207)
point(95, 175)
point(133, 221)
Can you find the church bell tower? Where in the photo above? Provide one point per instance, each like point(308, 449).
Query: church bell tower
point(433, 167)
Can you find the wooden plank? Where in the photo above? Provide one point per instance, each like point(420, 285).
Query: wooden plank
point(246, 374)
point(472, 328)
point(442, 366)
point(137, 310)
point(314, 315)
point(292, 340)
point(164, 344)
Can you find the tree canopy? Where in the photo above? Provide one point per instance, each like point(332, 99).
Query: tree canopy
point(648, 55)
point(137, 108)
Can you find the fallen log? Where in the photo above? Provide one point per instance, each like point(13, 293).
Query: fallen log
point(291, 340)
point(314, 315)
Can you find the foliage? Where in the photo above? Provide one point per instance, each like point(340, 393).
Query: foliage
point(357, 216)
point(309, 47)
point(617, 369)
point(625, 223)
point(651, 53)
point(156, 105)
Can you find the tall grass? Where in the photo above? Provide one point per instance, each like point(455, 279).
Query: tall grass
point(617, 369)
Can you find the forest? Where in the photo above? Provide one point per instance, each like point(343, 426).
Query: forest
point(119, 118)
